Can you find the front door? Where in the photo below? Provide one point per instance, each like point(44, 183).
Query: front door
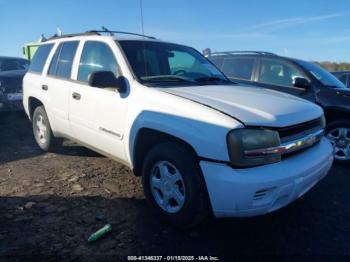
point(279, 75)
point(97, 115)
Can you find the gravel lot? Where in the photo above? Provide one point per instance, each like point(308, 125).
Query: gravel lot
point(50, 204)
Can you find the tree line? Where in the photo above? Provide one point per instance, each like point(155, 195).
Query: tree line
point(331, 66)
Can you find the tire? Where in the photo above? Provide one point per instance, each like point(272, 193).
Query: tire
point(338, 132)
point(176, 159)
point(42, 131)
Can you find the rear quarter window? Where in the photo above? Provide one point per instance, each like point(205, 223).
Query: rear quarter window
point(39, 59)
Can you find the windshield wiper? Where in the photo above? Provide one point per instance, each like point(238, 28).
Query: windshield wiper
point(212, 79)
point(169, 78)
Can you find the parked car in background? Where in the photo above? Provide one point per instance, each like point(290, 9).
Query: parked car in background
point(299, 78)
point(344, 77)
point(12, 71)
point(201, 143)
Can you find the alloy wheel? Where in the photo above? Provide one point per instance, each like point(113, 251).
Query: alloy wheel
point(340, 139)
point(167, 186)
point(41, 129)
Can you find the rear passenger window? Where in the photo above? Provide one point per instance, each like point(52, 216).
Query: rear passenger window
point(61, 64)
point(217, 60)
point(96, 56)
point(39, 59)
point(240, 67)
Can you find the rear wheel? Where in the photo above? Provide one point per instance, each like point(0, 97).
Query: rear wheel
point(173, 185)
point(338, 133)
point(42, 131)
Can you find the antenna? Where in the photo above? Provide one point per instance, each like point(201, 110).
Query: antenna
point(143, 33)
point(141, 9)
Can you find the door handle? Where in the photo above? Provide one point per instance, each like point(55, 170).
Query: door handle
point(44, 87)
point(76, 96)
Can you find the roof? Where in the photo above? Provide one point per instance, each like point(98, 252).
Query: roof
point(242, 53)
point(255, 53)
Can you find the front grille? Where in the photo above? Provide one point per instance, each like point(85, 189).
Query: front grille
point(300, 134)
point(299, 129)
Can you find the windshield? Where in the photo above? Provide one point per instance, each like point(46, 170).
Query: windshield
point(322, 75)
point(10, 64)
point(163, 64)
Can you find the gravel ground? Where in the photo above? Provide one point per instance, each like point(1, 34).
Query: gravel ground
point(51, 203)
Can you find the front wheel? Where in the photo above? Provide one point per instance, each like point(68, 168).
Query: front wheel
point(173, 185)
point(338, 133)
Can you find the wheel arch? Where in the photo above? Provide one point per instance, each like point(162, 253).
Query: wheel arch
point(33, 103)
point(145, 139)
point(335, 114)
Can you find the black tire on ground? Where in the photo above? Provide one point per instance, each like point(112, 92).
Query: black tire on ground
point(45, 139)
point(331, 126)
point(196, 205)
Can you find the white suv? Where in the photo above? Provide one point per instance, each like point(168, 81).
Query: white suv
point(201, 143)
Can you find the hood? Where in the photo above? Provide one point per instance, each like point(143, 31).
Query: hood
point(253, 106)
point(13, 73)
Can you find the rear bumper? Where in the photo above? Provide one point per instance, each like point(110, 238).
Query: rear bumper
point(260, 190)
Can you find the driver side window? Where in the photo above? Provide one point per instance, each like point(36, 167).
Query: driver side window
point(96, 56)
point(277, 72)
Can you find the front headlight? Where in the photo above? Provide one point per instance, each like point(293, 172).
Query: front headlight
point(253, 147)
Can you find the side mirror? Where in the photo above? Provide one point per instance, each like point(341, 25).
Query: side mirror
point(106, 79)
point(301, 82)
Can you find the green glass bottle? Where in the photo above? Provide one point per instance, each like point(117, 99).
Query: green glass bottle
point(99, 233)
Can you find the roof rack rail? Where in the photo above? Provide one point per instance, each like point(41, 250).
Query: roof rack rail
point(243, 52)
point(55, 36)
point(110, 32)
point(98, 32)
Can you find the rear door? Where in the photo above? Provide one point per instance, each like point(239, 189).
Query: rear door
point(34, 81)
point(58, 83)
point(278, 74)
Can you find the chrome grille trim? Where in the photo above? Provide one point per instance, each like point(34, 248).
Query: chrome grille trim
point(308, 140)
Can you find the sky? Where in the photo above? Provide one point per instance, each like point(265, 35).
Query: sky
point(317, 30)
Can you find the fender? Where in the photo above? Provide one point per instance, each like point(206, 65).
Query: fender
point(336, 112)
point(208, 140)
